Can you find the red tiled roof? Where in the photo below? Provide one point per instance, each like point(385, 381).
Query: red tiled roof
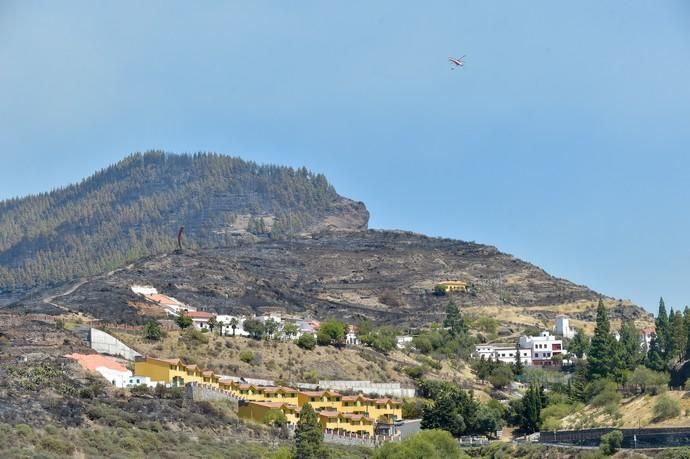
point(93, 361)
point(163, 299)
point(199, 314)
point(319, 393)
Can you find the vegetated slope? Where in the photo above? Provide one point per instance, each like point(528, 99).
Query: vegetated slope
point(387, 276)
point(135, 207)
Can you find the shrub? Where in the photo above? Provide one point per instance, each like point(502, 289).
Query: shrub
point(665, 407)
point(611, 441)
point(307, 341)
point(152, 331)
point(649, 380)
point(247, 356)
point(501, 376)
point(414, 372)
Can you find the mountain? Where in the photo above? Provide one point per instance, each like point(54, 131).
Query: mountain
point(387, 276)
point(135, 208)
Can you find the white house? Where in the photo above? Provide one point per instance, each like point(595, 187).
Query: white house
point(503, 352)
point(562, 327)
point(544, 347)
point(144, 290)
point(133, 381)
point(117, 374)
point(351, 336)
point(199, 319)
point(403, 341)
point(227, 329)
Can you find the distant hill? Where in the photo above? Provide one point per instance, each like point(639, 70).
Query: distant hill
point(135, 208)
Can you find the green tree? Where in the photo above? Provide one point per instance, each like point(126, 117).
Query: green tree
point(579, 345)
point(629, 345)
point(501, 376)
point(271, 328)
point(183, 321)
point(663, 330)
point(255, 328)
point(678, 336)
point(152, 330)
point(518, 367)
point(602, 358)
point(308, 435)
point(454, 321)
point(454, 409)
point(428, 444)
point(234, 322)
point(333, 332)
point(655, 357)
point(530, 409)
point(611, 441)
point(212, 322)
point(306, 341)
point(290, 330)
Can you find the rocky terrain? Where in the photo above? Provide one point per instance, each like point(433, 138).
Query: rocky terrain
point(387, 276)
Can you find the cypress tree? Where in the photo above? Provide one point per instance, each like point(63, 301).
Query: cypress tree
point(518, 367)
point(308, 435)
point(662, 328)
point(601, 361)
point(655, 358)
point(579, 345)
point(454, 320)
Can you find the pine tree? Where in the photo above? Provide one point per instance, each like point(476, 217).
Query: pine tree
point(454, 321)
point(518, 367)
point(686, 322)
point(308, 435)
point(601, 361)
point(629, 345)
point(662, 329)
point(679, 336)
point(655, 359)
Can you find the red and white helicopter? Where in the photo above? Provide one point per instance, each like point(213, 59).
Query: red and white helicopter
point(457, 62)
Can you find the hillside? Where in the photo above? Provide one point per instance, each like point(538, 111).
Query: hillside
point(135, 208)
point(387, 276)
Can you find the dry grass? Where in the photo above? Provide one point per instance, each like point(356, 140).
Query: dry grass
point(287, 362)
point(633, 412)
point(525, 316)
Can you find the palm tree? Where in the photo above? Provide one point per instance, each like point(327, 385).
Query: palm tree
point(234, 323)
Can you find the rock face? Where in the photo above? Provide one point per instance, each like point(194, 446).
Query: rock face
point(388, 276)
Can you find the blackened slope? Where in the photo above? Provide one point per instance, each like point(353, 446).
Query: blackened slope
point(385, 275)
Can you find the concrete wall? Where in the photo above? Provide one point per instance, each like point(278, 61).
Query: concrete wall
point(104, 343)
point(367, 387)
point(203, 393)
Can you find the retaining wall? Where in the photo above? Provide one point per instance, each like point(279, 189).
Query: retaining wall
point(203, 393)
point(632, 438)
point(104, 343)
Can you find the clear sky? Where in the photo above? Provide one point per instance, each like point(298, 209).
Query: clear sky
point(565, 139)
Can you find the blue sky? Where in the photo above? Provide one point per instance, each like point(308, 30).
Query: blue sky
point(565, 139)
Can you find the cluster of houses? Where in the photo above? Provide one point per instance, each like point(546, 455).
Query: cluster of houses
point(230, 325)
point(352, 414)
point(545, 349)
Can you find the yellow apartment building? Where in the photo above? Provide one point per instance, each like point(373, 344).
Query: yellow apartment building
point(257, 411)
point(386, 410)
point(319, 400)
point(346, 422)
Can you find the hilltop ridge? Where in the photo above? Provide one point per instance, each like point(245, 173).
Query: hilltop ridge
point(135, 208)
